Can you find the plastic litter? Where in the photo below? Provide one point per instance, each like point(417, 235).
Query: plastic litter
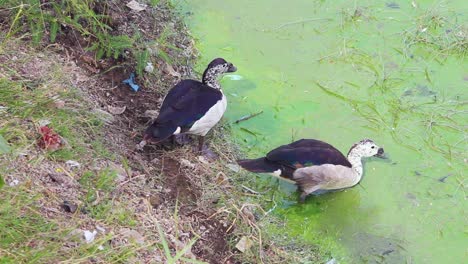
point(14, 183)
point(73, 163)
point(89, 236)
point(131, 81)
point(149, 67)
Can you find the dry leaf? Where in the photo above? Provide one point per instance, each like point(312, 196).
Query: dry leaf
point(222, 179)
point(244, 244)
point(203, 160)
point(187, 163)
point(135, 6)
point(151, 114)
point(169, 69)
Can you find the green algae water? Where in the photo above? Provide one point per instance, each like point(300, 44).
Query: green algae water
point(341, 71)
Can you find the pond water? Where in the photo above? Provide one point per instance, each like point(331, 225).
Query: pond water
point(341, 71)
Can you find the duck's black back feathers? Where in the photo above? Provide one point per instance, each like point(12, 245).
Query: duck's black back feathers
point(299, 154)
point(185, 103)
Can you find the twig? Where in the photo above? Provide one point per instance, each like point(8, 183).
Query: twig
point(247, 117)
point(249, 190)
point(131, 179)
point(300, 21)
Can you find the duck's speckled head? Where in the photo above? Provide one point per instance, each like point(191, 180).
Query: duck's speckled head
point(367, 148)
point(221, 65)
point(217, 67)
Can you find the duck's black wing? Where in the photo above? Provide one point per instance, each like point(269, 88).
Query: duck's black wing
point(299, 154)
point(186, 103)
point(178, 91)
point(307, 152)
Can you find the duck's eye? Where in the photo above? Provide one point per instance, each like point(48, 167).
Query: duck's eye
point(373, 147)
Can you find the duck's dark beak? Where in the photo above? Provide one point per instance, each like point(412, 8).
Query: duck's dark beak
point(380, 154)
point(231, 68)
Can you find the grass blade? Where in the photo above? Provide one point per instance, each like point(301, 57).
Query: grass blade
point(185, 249)
point(4, 147)
point(167, 251)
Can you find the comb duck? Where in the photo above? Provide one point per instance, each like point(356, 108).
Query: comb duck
point(191, 107)
point(314, 165)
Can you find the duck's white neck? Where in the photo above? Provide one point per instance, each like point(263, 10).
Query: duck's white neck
point(210, 77)
point(354, 157)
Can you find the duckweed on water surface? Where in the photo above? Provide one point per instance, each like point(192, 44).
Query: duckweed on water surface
point(394, 71)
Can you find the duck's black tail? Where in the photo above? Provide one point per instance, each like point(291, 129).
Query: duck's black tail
point(258, 165)
point(158, 132)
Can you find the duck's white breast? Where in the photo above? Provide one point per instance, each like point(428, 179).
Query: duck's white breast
point(210, 119)
point(328, 176)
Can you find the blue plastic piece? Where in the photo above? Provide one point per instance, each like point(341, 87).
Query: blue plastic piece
point(131, 81)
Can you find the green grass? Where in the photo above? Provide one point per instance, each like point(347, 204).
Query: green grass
point(27, 233)
point(45, 22)
point(439, 31)
point(23, 229)
point(28, 237)
point(100, 201)
point(26, 108)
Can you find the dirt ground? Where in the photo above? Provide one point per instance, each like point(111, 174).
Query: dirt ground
point(180, 185)
point(166, 183)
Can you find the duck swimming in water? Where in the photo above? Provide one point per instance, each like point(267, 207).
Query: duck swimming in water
point(314, 165)
point(191, 107)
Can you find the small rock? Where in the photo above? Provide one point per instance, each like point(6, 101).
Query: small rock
point(69, 207)
point(141, 145)
point(332, 261)
point(135, 6)
point(116, 110)
point(59, 104)
point(122, 174)
point(132, 235)
point(103, 115)
point(100, 229)
point(233, 167)
point(44, 122)
point(155, 200)
point(62, 179)
point(151, 114)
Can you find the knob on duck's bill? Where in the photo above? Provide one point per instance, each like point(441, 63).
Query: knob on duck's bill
point(381, 154)
point(231, 68)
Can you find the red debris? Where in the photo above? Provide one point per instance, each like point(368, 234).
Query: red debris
point(49, 139)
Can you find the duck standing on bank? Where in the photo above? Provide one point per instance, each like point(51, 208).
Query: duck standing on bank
point(314, 165)
point(191, 107)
